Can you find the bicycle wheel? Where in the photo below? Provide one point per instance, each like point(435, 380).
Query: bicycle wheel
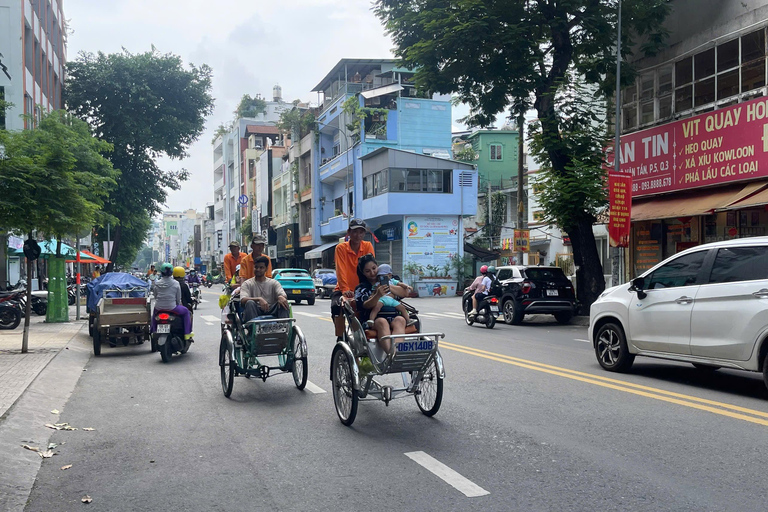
point(430, 393)
point(344, 394)
point(227, 365)
point(299, 364)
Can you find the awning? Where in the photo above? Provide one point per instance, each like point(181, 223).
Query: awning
point(759, 199)
point(381, 91)
point(89, 257)
point(700, 202)
point(317, 252)
point(480, 253)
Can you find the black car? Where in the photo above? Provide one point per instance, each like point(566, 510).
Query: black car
point(527, 290)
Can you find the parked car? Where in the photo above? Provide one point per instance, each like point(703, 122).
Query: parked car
point(325, 281)
point(526, 290)
point(297, 283)
point(707, 306)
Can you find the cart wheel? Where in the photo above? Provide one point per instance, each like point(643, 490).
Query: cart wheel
point(96, 341)
point(299, 365)
point(227, 365)
point(430, 394)
point(344, 394)
point(166, 351)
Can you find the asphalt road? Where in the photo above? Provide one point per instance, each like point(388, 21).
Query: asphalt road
point(529, 421)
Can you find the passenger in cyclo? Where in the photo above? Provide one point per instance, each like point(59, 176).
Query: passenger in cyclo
point(167, 293)
point(384, 277)
point(261, 295)
point(367, 296)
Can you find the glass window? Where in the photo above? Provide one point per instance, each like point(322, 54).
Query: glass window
point(704, 64)
point(381, 185)
point(368, 187)
point(413, 180)
point(753, 46)
point(496, 152)
point(704, 92)
point(753, 76)
point(728, 55)
point(504, 273)
point(646, 112)
point(397, 180)
point(682, 271)
point(665, 107)
point(684, 71)
point(629, 94)
point(665, 81)
point(646, 86)
point(434, 181)
point(629, 117)
point(447, 181)
point(728, 84)
point(683, 98)
point(740, 264)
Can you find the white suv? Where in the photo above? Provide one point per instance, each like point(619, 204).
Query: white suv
point(707, 306)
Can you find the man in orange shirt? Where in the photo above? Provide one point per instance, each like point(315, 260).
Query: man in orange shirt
point(232, 260)
point(246, 265)
point(346, 256)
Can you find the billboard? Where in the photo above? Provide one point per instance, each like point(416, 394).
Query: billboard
point(724, 146)
point(431, 240)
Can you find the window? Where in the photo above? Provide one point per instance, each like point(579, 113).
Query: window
point(681, 271)
point(418, 180)
point(504, 273)
point(740, 264)
point(367, 187)
point(496, 152)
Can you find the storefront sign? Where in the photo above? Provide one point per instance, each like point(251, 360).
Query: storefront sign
point(647, 243)
point(620, 200)
point(724, 146)
point(286, 240)
point(431, 240)
point(522, 240)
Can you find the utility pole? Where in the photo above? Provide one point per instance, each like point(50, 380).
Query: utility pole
point(617, 256)
point(520, 204)
point(490, 218)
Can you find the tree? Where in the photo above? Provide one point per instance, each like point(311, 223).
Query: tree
point(500, 55)
point(147, 105)
point(250, 107)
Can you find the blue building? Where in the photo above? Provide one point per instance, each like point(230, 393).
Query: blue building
point(383, 154)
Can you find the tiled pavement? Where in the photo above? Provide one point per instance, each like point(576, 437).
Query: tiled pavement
point(17, 370)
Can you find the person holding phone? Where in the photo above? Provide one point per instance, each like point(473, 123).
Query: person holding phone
point(384, 278)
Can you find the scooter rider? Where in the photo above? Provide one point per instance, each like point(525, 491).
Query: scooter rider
point(186, 294)
point(481, 290)
point(167, 294)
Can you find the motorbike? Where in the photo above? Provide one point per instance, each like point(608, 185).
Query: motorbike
point(168, 336)
point(196, 294)
point(10, 310)
point(487, 309)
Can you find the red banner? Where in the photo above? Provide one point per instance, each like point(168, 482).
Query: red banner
point(724, 146)
point(620, 197)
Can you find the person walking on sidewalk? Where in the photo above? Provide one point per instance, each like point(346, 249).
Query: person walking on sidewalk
point(346, 257)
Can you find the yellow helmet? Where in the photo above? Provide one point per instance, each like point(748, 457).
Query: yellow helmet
point(179, 272)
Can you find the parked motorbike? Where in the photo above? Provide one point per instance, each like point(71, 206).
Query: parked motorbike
point(10, 311)
point(168, 336)
point(487, 309)
point(196, 294)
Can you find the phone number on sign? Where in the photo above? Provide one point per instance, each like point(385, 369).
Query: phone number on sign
point(652, 184)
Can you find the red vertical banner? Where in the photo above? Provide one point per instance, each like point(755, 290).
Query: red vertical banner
point(620, 198)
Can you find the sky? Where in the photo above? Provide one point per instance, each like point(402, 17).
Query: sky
point(251, 46)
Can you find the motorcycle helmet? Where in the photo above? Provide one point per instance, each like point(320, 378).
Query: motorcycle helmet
point(491, 269)
point(178, 272)
point(484, 269)
point(166, 269)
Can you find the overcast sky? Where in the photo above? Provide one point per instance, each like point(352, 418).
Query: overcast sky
point(251, 46)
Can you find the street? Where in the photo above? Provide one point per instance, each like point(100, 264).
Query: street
point(529, 421)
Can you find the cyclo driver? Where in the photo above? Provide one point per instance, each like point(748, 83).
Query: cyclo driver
point(346, 257)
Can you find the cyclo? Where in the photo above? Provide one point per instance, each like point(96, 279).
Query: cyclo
point(414, 355)
point(243, 344)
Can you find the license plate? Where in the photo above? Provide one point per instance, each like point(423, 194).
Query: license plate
point(415, 346)
point(163, 328)
point(296, 292)
point(495, 309)
point(552, 293)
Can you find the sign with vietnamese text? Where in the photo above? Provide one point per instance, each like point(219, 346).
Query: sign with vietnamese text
point(431, 241)
point(620, 204)
point(522, 240)
point(724, 146)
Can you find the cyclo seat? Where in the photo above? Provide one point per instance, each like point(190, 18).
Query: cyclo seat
point(385, 312)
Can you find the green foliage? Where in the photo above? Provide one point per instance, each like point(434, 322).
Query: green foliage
point(245, 229)
point(356, 116)
point(223, 129)
point(297, 122)
point(461, 266)
point(146, 105)
point(143, 258)
point(250, 107)
point(467, 154)
point(498, 212)
point(55, 177)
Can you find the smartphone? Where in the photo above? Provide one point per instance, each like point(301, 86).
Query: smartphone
point(383, 280)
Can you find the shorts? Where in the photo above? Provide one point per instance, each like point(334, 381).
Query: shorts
point(336, 303)
point(480, 296)
point(389, 301)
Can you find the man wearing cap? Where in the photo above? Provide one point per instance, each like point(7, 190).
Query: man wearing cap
point(232, 260)
point(346, 256)
point(246, 265)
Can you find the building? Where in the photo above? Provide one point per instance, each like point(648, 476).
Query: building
point(693, 128)
point(32, 56)
point(382, 152)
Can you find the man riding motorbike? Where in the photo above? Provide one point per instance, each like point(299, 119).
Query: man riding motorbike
point(167, 294)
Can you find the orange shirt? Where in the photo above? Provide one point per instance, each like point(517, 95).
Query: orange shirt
point(230, 264)
point(346, 264)
point(246, 266)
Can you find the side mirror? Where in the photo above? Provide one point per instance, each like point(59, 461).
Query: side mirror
point(637, 286)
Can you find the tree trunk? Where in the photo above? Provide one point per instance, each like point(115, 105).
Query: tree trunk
point(115, 247)
point(590, 281)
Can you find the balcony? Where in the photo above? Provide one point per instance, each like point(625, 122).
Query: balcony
point(334, 226)
point(218, 205)
point(218, 184)
point(336, 167)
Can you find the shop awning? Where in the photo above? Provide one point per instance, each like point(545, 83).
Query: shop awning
point(700, 202)
point(317, 252)
point(759, 199)
point(480, 253)
point(89, 257)
point(381, 91)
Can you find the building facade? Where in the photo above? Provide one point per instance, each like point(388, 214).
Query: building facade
point(33, 53)
point(694, 132)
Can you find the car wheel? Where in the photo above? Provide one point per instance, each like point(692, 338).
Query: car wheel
point(611, 348)
point(297, 301)
point(513, 315)
point(563, 317)
point(311, 301)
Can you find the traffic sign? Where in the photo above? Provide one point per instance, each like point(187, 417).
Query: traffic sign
point(243, 199)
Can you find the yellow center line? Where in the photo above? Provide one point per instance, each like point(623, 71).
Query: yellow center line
point(636, 389)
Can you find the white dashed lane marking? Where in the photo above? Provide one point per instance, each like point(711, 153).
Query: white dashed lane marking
point(314, 388)
point(306, 314)
point(211, 318)
point(585, 341)
point(451, 477)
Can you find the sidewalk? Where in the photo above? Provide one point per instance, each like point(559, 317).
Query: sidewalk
point(17, 370)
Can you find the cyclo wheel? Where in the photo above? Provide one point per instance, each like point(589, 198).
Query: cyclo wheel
point(344, 394)
point(430, 394)
point(227, 365)
point(300, 368)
